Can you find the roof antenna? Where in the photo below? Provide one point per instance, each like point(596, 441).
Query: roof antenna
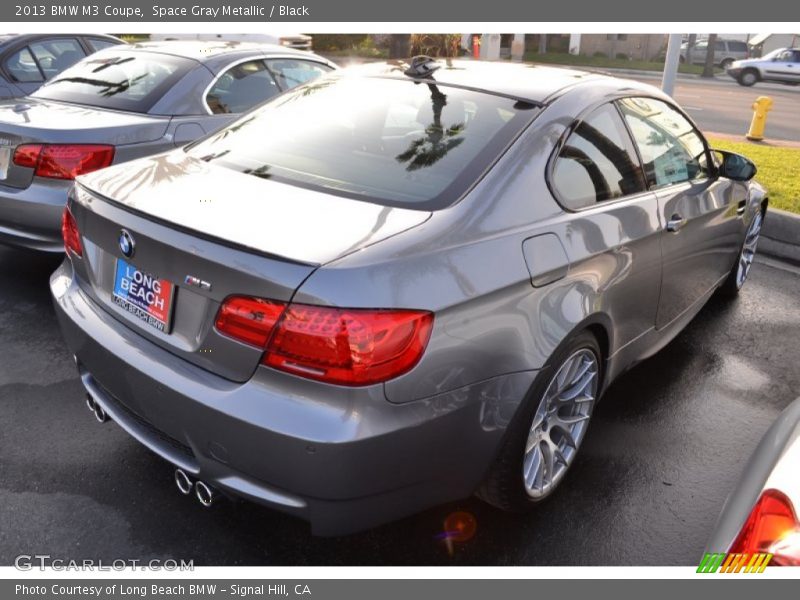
point(422, 67)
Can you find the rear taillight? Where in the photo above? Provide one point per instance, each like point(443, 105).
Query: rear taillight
point(342, 346)
point(249, 320)
point(63, 161)
point(69, 231)
point(771, 527)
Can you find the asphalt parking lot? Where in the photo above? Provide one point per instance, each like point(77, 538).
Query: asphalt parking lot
point(665, 448)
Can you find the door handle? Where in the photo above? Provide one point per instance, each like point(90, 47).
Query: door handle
point(676, 223)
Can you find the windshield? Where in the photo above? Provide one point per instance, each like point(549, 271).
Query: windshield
point(131, 81)
point(394, 142)
point(773, 54)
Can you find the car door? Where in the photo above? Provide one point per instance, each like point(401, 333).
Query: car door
point(613, 222)
point(785, 66)
point(700, 213)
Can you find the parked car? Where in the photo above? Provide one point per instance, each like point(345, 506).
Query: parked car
point(781, 66)
point(298, 41)
point(725, 52)
point(28, 60)
point(760, 516)
point(123, 103)
point(398, 284)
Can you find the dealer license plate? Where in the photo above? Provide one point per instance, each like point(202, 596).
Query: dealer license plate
point(143, 295)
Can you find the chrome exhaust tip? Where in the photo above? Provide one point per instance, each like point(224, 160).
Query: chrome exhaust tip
point(183, 482)
point(100, 413)
point(90, 402)
point(205, 494)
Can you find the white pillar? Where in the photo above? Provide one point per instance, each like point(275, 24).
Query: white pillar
point(490, 46)
point(518, 47)
point(575, 43)
point(671, 64)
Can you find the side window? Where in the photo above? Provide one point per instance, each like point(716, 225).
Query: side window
point(22, 67)
point(292, 72)
point(738, 46)
point(719, 46)
point(56, 55)
point(241, 87)
point(786, 56)
point(597, 162)
point(672, 151)
point(98, 44)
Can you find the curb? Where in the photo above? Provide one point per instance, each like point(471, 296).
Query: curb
point(780, 235)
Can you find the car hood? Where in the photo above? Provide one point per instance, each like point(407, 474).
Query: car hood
point(745, 62)
point(35, 119)
point(267, 216)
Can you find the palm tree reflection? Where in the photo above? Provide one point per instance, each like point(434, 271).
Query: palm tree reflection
point(438, 141)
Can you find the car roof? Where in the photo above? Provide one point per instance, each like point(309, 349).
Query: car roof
point(524, 81)
point(204, 50)
point(14, 38)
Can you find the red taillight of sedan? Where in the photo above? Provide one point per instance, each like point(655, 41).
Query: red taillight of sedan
point(771, 527)
point(69, 231)
point(350, 347)
point(63, 161)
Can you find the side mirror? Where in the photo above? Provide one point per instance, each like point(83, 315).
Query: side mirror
point(735, 166)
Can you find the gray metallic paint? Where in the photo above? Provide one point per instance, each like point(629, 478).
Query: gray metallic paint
point(474, 264)
point(31, 207)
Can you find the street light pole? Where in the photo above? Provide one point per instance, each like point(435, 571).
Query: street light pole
point(671, 63)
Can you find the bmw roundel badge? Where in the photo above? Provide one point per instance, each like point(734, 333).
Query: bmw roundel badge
point(126, 244)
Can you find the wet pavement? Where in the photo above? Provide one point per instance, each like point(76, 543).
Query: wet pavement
point(665, 448)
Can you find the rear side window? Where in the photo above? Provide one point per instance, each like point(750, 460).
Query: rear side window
point(291, 72)
point(131, 81)
point(57, 55)
point(98, 44)
point(597, 162)
point(241, 87)
point(737, 46)
point(394, 142)
point(672, 151)
point(22, 67)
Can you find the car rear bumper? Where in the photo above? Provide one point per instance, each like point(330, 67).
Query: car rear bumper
point(344, 460)
point(31, 217)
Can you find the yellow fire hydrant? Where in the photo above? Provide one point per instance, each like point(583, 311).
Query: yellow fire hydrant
point(761, 107)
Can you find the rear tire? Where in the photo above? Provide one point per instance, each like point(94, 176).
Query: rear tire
point(545, 434)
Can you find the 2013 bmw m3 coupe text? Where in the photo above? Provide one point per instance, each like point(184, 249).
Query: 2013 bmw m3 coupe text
point(397, 285)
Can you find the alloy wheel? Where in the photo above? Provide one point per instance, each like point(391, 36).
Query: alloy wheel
point(560, 423)
point(748, 250)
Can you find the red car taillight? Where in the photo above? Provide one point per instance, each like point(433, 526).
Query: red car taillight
point(63, 161)
point(69, 231)
point(771, 523)
point(249, 320)
point(335, 345)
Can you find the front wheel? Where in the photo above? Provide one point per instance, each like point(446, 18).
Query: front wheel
point(749, 77)
point(545, 436)
point(738, 275)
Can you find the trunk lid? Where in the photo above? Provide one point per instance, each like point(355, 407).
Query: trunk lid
point(31, 120)
point(237, 234)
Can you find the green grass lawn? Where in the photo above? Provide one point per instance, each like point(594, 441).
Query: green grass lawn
point(778, 170)
point(603, 62)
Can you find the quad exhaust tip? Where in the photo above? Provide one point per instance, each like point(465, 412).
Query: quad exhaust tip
point(205, 494)
point(99, 412)
point(184, 483)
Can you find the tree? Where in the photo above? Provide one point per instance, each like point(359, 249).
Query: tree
point(400, 46)
point(708, 69)
point(690, 47)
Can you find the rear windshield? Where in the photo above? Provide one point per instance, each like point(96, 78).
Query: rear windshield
point(393, 142)
point(118, 80)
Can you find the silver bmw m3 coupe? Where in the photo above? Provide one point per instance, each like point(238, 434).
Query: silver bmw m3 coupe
point(397, 285)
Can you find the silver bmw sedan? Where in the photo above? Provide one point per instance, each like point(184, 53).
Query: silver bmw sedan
point(398, 285)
